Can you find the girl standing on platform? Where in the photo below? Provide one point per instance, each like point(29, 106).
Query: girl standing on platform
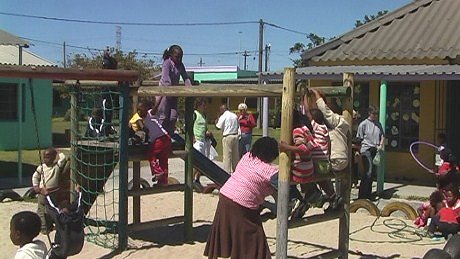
point(171, 71)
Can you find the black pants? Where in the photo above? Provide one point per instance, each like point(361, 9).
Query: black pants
point(445, 228)
point(365, 186)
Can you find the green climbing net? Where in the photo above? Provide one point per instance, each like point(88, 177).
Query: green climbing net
point(95, 158)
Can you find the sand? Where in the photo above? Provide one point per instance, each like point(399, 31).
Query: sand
point(306, 241)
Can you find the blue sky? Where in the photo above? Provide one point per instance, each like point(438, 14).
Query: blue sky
point(326, 18)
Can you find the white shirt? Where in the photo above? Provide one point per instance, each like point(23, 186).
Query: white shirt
point(34, 250)
point(229, 124)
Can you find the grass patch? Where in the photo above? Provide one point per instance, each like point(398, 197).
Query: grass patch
point(417, 198)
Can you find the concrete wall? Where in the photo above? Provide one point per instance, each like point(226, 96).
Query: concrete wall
point(43, 105)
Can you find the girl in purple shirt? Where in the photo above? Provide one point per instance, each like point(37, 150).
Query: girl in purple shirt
point(172, 70)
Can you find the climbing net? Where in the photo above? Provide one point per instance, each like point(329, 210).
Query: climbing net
point(95, 154)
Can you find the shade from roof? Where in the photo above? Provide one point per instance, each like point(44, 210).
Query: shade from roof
point(422, 29)
point(378, 72)
point(7, 38)
point(10, 55)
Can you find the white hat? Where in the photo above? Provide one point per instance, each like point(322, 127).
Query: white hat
point(242, 106)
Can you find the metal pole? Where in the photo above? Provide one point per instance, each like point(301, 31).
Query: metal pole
point(265, 99)
point(64, 57)
point(261, 52)
point(123, 169)
point(285, 163)
point(382, 119)
point(20, 111)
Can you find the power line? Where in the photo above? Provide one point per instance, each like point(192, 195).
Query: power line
point(286, 29)
point(139, 52)
point(126, 23)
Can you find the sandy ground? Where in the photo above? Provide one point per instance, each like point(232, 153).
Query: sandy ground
point(306, 241)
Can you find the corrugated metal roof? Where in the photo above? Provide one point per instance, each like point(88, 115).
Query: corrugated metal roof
point(422, 29)
point(384, 72)
point(10, 55)
point(7, 38)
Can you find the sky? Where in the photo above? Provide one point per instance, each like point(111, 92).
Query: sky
point(213, 44)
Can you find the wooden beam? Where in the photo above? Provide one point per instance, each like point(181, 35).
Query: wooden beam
point(315, 219)
point(229, 90)
point(57, 73)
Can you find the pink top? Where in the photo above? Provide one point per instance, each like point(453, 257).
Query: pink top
point(250, 183)
point(302, 168)
point(321, 138)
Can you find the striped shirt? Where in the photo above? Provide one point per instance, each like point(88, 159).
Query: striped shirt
point(321, 138)
point(302, 168)
point(250, 183)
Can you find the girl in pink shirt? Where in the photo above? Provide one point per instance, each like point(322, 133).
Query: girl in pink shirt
point(237, 230)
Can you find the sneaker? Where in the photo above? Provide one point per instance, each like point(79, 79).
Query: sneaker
point(197, 186)
point(334, 205)
point(299, 210)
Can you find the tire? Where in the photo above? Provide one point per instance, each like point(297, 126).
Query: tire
point(209, 188)
point(365, 204)
point(143, 184)
point(172, 180)
point(9, 194)
point(452, 246)
point(30, 194)
point(436, 253)
point(399, 206)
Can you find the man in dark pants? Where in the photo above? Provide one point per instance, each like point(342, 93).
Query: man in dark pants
point(371, 134)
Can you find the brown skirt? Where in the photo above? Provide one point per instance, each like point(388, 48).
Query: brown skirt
point(236, 232)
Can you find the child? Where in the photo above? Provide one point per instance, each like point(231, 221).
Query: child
point(428, 210)
point(237, 230)
point(47, 180)
point(441, 140)
point(446, 218)
point(171, 71)
point(95, 122)
point(201, 136)
point(24, 227)
point(160, 142)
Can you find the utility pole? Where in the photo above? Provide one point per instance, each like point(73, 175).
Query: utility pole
point(118, 37)
point(63, 50)
point(259, 81)
point(245, 55)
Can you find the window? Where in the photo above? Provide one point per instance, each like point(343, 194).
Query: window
point(403, 111)
point(8, 101)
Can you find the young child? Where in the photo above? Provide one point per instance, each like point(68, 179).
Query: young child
point(159, 141)
point(428, 210)
point(24, 227)
point(95, 124)
point(47, 180)
point(446, 218)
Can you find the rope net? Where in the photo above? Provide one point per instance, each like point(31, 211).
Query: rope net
point(95, 154)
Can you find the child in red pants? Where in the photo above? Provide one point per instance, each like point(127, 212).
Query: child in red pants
point(158, 139)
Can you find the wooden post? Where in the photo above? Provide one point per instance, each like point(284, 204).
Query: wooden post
point(136, 187)
point(188, 192)
point(345, 182)
point(287, 108)
point(123, 169)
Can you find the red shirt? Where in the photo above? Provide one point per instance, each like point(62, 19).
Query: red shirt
point(247, 122)
point(302, 168)
point(448, 215)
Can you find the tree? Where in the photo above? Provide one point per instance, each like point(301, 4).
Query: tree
point(315, 40)
point(299, 47)
point(369, 18)
point(126, 61)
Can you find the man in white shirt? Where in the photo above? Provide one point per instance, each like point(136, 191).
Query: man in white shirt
point(228, 123)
